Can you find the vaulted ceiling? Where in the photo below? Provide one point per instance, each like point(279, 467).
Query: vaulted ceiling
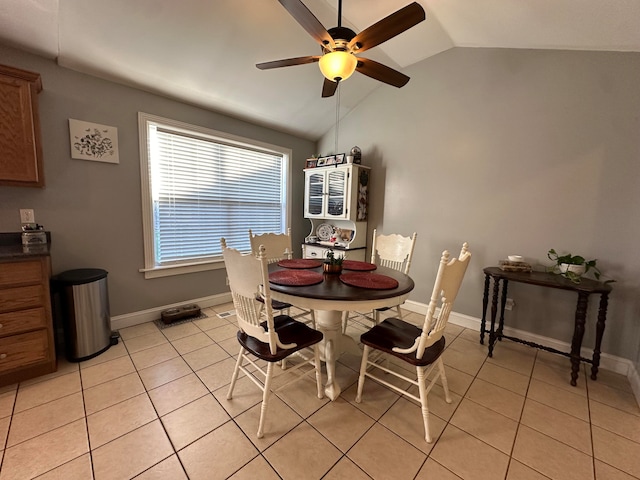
point(204, 52)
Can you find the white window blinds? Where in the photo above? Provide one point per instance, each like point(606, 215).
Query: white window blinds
point(203, 188)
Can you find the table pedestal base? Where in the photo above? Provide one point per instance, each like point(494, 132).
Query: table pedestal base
point(329, 322)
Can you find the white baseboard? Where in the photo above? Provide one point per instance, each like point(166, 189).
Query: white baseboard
point(136, 318)
point(612, 363)
point(619, 365)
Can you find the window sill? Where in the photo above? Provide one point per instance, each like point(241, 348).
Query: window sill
point(170, 270)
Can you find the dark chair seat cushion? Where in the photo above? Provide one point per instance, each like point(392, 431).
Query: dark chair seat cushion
point(290, 331)
point(394, 332)
point(275, 304)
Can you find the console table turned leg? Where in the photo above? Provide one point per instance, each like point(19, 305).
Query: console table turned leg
point(494, 312)
point(578, 333)
point(485, 303)
point(503, 303)
point(602, 316)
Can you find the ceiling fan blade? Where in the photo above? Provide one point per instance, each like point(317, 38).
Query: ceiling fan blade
point(287, 62)
point(388, 27)
point(308, 21)
point(329, 88)
point(381, 72)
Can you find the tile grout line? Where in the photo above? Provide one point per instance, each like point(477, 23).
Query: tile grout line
point(6, 440)
point(210, 392)
point(86, 424)
point(157, 417)
point(593, 447)
point(459, 335)
point(462, 397)
point(515, 437)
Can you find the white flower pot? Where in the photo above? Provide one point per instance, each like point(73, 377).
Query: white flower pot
point(575, 269)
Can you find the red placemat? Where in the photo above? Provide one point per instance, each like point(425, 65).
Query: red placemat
point(373, 281)
point(295, 278)
point(356, 265)
point(299, 263)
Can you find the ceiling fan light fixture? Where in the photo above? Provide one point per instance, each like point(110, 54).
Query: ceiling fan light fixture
point(338, 65)
point(340, 44)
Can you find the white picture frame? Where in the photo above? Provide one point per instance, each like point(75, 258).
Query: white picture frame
point(93, 141)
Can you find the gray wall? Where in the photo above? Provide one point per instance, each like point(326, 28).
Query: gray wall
point(93, 209)
point(515, 152)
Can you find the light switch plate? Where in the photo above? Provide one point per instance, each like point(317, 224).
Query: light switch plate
point(27, 215)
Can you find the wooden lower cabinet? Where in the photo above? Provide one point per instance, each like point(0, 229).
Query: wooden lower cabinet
point(27, 347)
point(23, 350)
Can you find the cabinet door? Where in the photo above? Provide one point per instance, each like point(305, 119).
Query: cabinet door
point(20, 147)
point(337, 191)
point(314, 194)
point(327, 193)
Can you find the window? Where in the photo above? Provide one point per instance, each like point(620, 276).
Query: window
point(199, 185)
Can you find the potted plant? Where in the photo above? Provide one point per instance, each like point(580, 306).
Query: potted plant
point(332, 263)
point(573, 267)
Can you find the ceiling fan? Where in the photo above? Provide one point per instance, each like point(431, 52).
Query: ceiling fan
point(341, 44)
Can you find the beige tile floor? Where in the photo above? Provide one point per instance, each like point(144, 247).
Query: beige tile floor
point(154, 407)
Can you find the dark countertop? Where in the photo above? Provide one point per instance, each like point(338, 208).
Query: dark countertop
point(335, 247)
point(11, 247)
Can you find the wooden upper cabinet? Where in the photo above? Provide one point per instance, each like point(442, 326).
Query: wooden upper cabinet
point(20, 146)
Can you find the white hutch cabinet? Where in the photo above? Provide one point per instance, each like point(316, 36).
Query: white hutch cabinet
point(336, 201)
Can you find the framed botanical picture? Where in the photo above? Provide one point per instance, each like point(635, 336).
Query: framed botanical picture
point(311, 163)
point(331, 160)
point(92, 141)
point(322, 161)
point(340, 159)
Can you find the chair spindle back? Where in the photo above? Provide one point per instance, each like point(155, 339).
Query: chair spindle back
point(445, 290)
point(393, 251)
point(249, 279)
point(277, 245)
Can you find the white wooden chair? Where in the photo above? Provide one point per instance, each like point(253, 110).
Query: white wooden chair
point(262, 335)
point(392, 251)
point(420, 347)
point(278, 247)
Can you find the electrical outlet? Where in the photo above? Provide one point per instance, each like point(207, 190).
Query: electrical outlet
point(27, 215)
point(509, 304)
point(227, 280)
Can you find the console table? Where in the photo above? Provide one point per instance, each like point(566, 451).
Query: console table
point(585, 288)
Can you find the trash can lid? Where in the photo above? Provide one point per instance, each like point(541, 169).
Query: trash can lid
point(80, 276)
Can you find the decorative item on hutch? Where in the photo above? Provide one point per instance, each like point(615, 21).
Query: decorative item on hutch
point(357, 154)
point(363, 195)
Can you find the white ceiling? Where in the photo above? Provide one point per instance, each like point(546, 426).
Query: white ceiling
point(204, 51)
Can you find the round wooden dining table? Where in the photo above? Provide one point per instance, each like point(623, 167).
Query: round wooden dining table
point(332, 296)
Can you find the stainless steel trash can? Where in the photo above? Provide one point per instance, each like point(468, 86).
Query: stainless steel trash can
point(85, 312)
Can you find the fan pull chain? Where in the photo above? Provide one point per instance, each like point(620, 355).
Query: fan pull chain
point(335, 149)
